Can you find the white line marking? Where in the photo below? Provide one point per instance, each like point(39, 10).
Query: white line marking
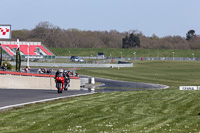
point(40, 101)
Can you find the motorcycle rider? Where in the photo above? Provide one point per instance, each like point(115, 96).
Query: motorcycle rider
point(59, 77)
point(58, 73)
point(66, 76)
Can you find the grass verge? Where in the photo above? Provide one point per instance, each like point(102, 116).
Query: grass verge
point(116, 52)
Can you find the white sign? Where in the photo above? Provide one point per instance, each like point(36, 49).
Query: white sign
point(5, 31)
point(188, 88)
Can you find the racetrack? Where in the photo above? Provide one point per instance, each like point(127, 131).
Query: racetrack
point(10, 98)
point(115, 85)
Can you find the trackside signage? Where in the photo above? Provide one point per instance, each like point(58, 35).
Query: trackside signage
point(5, 31)
point(189, 87)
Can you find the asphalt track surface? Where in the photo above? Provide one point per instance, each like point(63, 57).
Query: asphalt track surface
point(115, 85)
point(10, 98)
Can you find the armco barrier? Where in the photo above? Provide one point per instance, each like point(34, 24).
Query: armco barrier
point(19, 80)
point(72, 65)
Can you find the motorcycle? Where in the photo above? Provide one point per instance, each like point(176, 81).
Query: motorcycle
point(60, 82)
point(66, 84)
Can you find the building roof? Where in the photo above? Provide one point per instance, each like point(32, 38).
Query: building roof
point(35, 48)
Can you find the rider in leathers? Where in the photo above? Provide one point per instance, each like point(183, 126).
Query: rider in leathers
point(65, 75)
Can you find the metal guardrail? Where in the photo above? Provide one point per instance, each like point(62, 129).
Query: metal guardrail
point(166, 58)
point(72, 65)
point(108, 62)
point(138, 58)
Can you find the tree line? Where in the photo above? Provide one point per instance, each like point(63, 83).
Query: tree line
point(54, 37)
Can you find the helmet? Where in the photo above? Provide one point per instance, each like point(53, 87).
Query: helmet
point(60, 70)
point(65, 71)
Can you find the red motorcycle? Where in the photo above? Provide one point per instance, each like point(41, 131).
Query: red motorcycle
point(60, 82)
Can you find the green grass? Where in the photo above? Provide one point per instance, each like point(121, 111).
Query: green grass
point(115, 52)
point(171, 73)
point(143, 111)
point(158, 111)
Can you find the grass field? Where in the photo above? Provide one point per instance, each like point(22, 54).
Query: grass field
point(158, 111)
point(171, 73)
point(115, 52)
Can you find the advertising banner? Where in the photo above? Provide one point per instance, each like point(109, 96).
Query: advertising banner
point(5, 31)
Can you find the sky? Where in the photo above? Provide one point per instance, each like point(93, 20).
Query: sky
point(159, 17)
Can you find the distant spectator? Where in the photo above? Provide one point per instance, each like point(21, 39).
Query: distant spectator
point(77, 75)
point(44, 70)
point(40, 70)
point(49, 71)
point(4, 67)
point(27, 69)
point(72, 73)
